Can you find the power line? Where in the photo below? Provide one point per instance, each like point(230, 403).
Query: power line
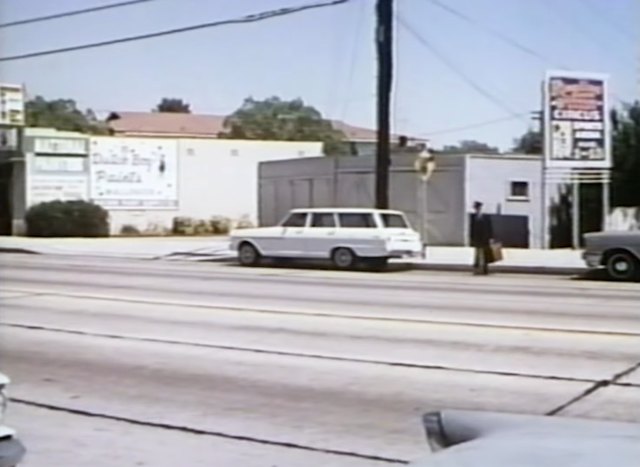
point(604, 16)
point(494, 32)
point(66, 14)
point(353, 57)
point(458, 71)
point(473, 126)
point(508, 40)
point(252, 18)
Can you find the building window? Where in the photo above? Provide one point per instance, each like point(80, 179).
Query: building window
point(519, 190)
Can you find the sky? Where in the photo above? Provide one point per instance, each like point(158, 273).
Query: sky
point(327, 57)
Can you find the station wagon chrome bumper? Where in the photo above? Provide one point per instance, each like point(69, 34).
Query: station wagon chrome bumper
point(405, 254)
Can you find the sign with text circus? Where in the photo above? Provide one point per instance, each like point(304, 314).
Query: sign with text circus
point(134, 173)
point(576, 118)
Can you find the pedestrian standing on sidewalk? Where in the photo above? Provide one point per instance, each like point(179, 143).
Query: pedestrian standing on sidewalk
point(481, 233)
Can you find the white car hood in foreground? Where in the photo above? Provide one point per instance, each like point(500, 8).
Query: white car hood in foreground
point(485, 439)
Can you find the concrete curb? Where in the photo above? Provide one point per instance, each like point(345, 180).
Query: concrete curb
point(23, 251)
point(541, 270)
point(201, 257)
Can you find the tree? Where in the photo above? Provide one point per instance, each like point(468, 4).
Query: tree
point(469, 147)
point(529, 143)
point(277, 119)
point(625, 187)
point(61, 114)
point(173, 105)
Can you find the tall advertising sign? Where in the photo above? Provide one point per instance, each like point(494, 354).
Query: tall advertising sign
point(134, 173)
point(11, 105)
point(577, 126)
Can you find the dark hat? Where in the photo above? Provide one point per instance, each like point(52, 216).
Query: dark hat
point(477, 204)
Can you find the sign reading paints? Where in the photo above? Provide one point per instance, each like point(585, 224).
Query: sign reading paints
point(134, 173)
point(577, 129)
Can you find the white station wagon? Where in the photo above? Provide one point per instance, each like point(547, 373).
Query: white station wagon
point(344, 236)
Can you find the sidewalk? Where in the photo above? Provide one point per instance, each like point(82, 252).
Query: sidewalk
point(216, 249)
point(119, 247)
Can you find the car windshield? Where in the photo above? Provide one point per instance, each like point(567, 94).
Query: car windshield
point(394, 221)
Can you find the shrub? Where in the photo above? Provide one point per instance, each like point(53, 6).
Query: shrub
point(129, 229)
point(67, 219)
point(220, 225)
point(244, 223)
point(183, 226)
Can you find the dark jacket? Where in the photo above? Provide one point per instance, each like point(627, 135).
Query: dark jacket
point(481, 231)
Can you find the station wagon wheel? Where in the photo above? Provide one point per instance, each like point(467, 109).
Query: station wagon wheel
point(343, 258)
point(622, 266)
point(248, 255)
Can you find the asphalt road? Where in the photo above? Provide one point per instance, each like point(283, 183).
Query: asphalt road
point(150, 363)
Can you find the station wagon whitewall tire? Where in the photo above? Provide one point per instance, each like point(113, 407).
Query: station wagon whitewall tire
point(343, 258)
point(248, 255)
point(622, 266)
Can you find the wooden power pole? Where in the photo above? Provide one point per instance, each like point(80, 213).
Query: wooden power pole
point(384, 42)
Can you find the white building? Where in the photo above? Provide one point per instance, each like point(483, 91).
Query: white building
point(143, 182)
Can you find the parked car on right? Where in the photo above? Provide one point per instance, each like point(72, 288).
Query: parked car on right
point(617, 252)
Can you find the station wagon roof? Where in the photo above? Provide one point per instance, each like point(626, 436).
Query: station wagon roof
point(347, 210)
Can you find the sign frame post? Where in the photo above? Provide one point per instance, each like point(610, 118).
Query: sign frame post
point(577, 140)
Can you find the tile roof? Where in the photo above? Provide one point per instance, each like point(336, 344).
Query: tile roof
point(165, 124)
point(203, 126)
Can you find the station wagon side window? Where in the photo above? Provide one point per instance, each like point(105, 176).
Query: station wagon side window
point(394, 221)
point(296, 219)
point(323, 219)
point(357, 221)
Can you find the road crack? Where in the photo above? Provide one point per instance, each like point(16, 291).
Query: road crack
point(287, 353)
point(203, 432)
point(594, 388)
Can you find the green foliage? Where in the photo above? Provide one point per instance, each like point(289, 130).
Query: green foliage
point(173, 105)
point(277, 119)
point(529, 143)
point(67, 219)
point(129, 230)
point(625, 187)
point(217, 225)
point(62, 114)
point(469, 147)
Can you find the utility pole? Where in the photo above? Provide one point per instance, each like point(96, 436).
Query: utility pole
point(384, 42)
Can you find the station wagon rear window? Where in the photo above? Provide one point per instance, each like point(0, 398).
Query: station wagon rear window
point(394, 221)
point(357, 220)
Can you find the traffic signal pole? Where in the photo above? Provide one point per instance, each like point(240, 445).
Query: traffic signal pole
point(384, 42)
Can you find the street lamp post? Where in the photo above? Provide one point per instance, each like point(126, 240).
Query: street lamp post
point(424, 165)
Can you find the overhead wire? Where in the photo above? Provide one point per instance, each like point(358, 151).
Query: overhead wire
point(66, 14)
point(353, 59)
point(457, 70)
point(604, 17)
point(472, 126)
point(509, 40)
point(494, 32)
point(251, 18)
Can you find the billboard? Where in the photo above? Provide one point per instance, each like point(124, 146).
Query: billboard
point(11, 105)
point(57, 177)
point(576, 121)
point(134, 173)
